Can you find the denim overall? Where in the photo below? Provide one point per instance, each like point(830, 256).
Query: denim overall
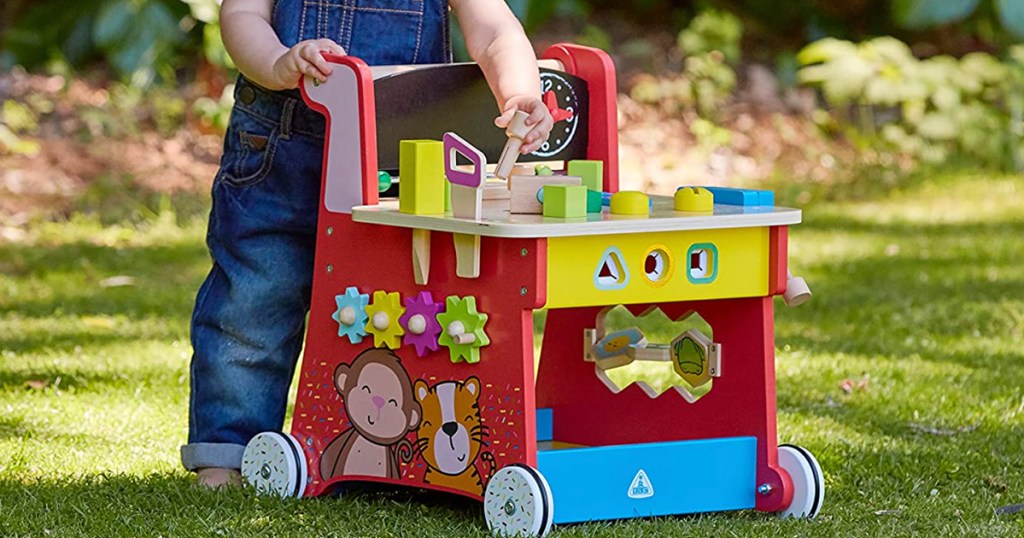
point(249, 317)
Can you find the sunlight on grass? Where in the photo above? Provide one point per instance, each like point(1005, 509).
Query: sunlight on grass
point(904, 376)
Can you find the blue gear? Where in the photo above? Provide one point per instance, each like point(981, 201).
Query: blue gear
point(357, 301)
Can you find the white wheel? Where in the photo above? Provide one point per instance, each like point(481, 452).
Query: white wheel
point(274, 464)
point(808, 481)
point(518, 502)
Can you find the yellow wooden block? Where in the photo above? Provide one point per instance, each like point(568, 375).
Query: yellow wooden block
point(657, 267)
point(421, 177)
point(694, 199)
point(630, 203)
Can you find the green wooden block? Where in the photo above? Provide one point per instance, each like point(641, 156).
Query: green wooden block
point(565, 201)
point(421, 176)
point(594, 201)
point(591, 173)
point(543, 170)
point(447, 196)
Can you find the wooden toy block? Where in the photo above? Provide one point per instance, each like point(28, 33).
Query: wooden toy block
point(742, 197)
point(565, 201)
point(516, 131)
point(590, 172)
point(421, 172)
point(694, 199)
point(543, 170)
point(594, 201)
point(525, 189)
point(496, 190)
point(523, 170)
point(630, 203)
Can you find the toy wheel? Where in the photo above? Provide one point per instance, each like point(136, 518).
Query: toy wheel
point(808, 481)
point(518, 502)
point(274, 464)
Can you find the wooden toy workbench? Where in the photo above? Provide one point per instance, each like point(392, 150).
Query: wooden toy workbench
point(419, 366)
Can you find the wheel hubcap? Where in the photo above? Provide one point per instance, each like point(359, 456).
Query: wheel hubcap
point(510, 508)
point(265, 471)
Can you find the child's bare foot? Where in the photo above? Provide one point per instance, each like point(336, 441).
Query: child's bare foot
point(218, 477)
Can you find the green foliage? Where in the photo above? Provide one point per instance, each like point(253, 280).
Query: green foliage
point(932, 109)
point(711, 46)
point(138, 39)
point(216, 113)
point(917, 14)
point(712, 30)
point(15, 119)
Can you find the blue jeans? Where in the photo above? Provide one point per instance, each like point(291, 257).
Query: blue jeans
point(249, 318)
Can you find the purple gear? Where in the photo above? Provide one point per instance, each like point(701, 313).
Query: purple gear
point(422, 305)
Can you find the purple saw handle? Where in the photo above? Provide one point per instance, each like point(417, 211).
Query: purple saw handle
point(453, 144)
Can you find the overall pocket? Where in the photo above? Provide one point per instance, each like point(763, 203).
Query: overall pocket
point(387, 32)
point(249, 147)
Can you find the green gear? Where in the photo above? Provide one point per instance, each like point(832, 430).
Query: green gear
point(463, 310)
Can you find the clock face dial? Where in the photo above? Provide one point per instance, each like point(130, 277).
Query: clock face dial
point(566, 99)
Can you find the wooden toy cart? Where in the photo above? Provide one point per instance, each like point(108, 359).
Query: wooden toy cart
point(414, 375)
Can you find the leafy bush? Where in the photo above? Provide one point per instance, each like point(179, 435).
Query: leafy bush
point(139, 39)
point(931, 109)
point(928, 13)
point(711, 46)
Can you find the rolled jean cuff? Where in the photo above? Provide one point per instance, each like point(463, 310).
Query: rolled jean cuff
point(199, 455)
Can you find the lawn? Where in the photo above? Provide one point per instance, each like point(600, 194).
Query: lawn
point(903, 375)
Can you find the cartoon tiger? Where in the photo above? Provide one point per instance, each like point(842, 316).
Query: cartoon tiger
point(451, 434)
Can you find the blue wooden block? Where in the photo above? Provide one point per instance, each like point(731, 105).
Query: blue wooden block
point(742, 197)
point(652, 479)
point(545, 424)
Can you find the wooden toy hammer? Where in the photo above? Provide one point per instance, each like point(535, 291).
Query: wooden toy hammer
point(516, 132)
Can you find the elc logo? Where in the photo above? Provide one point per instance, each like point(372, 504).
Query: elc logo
point(641, 487)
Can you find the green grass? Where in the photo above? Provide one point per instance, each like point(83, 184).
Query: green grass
point(920, 293)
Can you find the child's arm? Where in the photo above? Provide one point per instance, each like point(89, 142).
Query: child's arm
point(496, 41)
point(259, 54)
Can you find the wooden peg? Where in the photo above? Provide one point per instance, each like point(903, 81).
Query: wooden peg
point(421, 255)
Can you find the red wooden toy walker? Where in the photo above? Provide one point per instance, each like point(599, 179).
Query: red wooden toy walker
point(419, 367)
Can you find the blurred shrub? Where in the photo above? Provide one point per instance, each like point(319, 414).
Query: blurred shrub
point(918, 14)
point(139, 39)
point(15, 119)
point(711, 49)
point(931, 109)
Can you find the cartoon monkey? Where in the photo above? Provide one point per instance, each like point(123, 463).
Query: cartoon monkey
point(379, 403)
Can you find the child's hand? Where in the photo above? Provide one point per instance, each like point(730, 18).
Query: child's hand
point(304, 59)
point(540, 119)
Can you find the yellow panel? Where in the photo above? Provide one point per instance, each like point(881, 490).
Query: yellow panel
point(739, 255)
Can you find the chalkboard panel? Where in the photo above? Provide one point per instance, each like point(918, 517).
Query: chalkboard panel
point(427, 102)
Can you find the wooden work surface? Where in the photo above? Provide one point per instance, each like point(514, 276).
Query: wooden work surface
point(497, 222)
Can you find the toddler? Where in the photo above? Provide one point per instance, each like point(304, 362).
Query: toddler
point(249, 317)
